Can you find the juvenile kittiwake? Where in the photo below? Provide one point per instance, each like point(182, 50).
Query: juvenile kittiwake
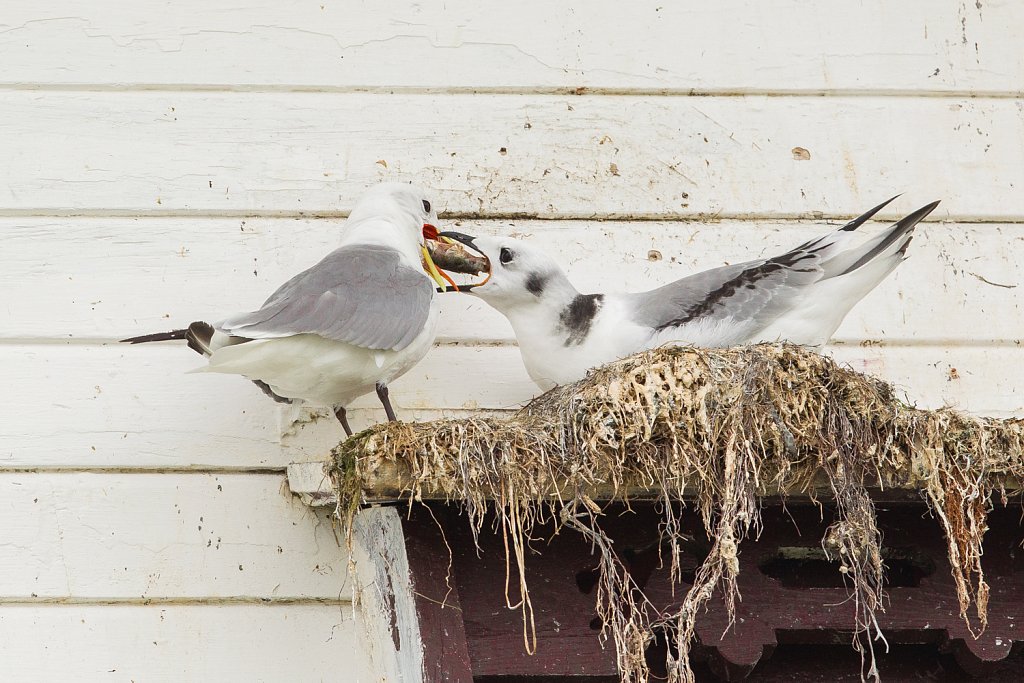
point(349, 325)
point(800, 296)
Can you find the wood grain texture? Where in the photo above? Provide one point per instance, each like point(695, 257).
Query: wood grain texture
point(134, 406)
point(117, 406)
point(438, 606)
point(736, 45)
point(148, 536)
point(111, 278)
point(250, 153)
point(172, 643)
point(384, 596)
point(158, 162)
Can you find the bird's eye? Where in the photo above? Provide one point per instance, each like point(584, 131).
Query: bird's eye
point(506, 255)
point(426, 206)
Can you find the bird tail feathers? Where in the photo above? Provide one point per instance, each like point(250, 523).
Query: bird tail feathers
point(157, 337)
point(198, 335)
point(891, 243)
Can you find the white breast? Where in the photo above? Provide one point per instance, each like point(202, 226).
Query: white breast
point(550, 361)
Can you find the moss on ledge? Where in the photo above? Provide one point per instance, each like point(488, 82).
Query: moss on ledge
point(716, 430)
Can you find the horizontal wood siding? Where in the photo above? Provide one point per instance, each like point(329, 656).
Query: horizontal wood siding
point(181, 642)
point(163, 163)
point(732, 46)
point(554, 156)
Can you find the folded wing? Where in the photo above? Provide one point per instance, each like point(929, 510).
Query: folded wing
point(824, 277)
point(359, 294)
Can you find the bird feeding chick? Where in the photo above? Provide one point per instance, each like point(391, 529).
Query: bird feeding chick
point(452, 256)
point(800, 296)
point(349, 325)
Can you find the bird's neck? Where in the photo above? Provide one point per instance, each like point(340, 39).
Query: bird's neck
point(384, 232)
point(541, 310)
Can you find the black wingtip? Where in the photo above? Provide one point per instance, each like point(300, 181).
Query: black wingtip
point(157, 337)
point(903, 228)
point(198, 336)
point(908, 222)
point(863, 218)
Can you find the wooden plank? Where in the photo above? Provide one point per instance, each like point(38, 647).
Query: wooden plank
point(181, 643)
point(134, 406)
point(112, 278)
point(247, 153)
point(146, 413)
point(392, 482)
point(147, 536)
point(436, 589)
point(390, 632)
point(979, 380)
point(727, 46)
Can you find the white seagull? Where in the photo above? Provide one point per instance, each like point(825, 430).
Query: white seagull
point(349, 325)
point(800, 296)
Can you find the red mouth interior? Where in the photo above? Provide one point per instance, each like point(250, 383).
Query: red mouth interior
point(429, 231)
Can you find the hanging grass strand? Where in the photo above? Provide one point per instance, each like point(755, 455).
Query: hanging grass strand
point(708, 431)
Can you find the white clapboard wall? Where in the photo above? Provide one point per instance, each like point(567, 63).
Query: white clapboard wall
point(166, 162)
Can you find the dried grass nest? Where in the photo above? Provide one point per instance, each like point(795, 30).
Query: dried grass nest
point(718, 428)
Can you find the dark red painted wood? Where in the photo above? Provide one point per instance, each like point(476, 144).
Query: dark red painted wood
point(793, 622)
point(438, 603)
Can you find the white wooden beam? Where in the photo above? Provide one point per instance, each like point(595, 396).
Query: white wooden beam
point(726, 46)
point(311, 483)
point(549, 156)
point(383, 596)
point(178, 537)
point(182, 642)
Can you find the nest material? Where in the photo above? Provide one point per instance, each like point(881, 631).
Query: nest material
point(717, 429)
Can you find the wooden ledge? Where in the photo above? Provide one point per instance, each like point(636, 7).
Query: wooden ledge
point(312, 484)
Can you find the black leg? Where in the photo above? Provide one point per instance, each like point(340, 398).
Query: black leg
point(339, 413)
point(382, 394)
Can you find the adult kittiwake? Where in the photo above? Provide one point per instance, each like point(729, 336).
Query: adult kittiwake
point(349, 325)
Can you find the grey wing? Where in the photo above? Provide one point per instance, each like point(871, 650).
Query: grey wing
point(743, 297)
point(363, 295)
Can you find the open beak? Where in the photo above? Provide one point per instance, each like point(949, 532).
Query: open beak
point(444, 282)
point(469, 241)
point(461, 238)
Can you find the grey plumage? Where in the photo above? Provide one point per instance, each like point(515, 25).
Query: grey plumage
point(358, 294)
point(800, 296)
point(351, 324)
point(752, 294)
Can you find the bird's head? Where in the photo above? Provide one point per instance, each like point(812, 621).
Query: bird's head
point(398, 215)
point(521, 274)
point(403, 204)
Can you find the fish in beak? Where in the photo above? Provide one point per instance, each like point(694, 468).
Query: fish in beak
point(430, 234)
point(459, 260)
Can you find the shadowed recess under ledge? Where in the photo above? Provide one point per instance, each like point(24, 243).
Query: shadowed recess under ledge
point(721, 429)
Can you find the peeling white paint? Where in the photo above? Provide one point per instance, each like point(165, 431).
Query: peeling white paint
point(147, 183)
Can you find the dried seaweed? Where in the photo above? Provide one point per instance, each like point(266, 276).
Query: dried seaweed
point(718, 429)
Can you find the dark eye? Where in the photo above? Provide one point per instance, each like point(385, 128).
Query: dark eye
point(426, 206)
point(506, 255)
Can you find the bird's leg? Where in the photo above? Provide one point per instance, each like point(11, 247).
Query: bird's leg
point(342, 416)
point(382, 394)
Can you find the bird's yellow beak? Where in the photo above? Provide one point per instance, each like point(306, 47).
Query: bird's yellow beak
point(435, 273)
point(431, 269)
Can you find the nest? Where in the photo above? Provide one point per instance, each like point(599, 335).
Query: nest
point(705, 432)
